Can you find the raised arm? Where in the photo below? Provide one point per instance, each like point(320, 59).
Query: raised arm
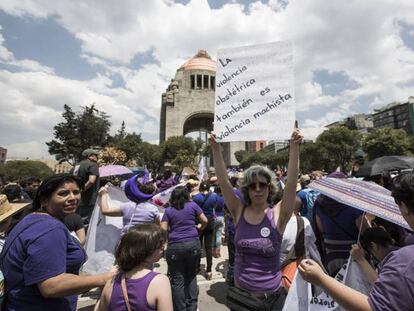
point(233, 203)
point(105, 209)
point(287, 204)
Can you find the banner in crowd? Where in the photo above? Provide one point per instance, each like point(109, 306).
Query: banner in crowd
point(104, 232)
point(254, 93)
point(202, 169)
point(103, 235)
point(303, 296)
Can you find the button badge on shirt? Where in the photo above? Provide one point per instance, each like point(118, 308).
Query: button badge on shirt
point(265, 232)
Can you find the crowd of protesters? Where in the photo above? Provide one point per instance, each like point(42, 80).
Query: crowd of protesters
point(272, 223)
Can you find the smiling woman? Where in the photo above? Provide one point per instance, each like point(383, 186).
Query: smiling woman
point(40, 258)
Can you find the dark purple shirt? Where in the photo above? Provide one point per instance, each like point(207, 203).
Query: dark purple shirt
point(43, 249)
point(207, 202)
point(182, 222)
point(394, 288)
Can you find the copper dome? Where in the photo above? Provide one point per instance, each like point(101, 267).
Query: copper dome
point(201, 61)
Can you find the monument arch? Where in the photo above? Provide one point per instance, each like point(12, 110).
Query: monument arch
point(188, 103)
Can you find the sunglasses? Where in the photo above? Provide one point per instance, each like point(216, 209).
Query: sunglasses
point(261, 185)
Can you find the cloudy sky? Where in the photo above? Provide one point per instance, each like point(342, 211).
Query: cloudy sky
point(350, 57)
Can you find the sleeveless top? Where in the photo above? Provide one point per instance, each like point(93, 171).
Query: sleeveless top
point(256, 266)
point(137, 293)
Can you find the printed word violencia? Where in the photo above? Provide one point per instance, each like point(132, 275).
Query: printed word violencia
point(234, 128)
point(231, 76)
point(234, 91)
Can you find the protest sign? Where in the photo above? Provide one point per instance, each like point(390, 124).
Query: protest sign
point(300, 296)
point(254, 93)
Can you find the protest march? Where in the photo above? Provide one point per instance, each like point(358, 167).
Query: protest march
point(303, 234)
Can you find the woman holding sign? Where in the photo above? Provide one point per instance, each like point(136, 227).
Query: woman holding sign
point(394, 288)
point(258, 230)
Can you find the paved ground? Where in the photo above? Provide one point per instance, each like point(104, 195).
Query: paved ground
point(212, 293)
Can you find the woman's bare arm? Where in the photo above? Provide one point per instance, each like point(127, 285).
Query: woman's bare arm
point(287, 204)
point(233, 203)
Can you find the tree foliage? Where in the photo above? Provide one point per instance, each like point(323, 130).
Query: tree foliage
point(130, 143)
point(150, 156)
point(312, 157)
point(79, 131)
point(19, 170)
point(180, 151)
point(336, 147)
point(387, 141)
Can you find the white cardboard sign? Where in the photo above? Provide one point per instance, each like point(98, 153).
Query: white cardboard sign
point(254, 93)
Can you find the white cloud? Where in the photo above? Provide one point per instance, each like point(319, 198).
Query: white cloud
point(360, 39)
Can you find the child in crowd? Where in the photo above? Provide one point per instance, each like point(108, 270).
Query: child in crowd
point(139, 210)
point(137, 286)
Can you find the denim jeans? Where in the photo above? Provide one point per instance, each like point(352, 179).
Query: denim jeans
point(218, 228)
point(206, 240)
point(183, 259)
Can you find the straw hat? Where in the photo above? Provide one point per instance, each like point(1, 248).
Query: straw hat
point(9, 209)
point(192, 182)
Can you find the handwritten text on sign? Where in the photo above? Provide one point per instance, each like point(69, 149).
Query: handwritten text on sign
point(254, 93)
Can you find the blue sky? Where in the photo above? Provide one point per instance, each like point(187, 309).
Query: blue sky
point(350, 57)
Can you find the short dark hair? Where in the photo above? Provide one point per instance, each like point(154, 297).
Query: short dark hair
point(13, 192)
point(377, 235)
point(147, 188)
point(204, 186)
point(403, 190)
point(135, 246)
point(179, 197)
point(50, 185)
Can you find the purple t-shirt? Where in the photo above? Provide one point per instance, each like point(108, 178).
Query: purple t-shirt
point(394, 288)
point(42, 249)
point(256, 264)
point(134, 214)
point(182, 222)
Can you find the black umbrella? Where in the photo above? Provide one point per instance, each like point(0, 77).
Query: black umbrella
point(383, 165)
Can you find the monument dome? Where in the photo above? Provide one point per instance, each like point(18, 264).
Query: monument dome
point(200, 61)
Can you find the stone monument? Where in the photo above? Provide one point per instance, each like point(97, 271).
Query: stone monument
point(188, 103)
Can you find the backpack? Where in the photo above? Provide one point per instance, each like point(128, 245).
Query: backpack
point(295, 256)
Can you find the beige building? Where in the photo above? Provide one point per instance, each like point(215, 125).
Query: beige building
point(188, 103)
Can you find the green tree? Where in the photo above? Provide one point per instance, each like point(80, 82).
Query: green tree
point(79, 131)
point(387, 141)
point(180, 151)
point(18, 170)
point(336, 147)
point(275, 160)
point(312, 157)
point(130, 143)
point(150, 155)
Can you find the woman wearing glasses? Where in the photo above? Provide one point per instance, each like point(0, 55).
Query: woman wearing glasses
point(259, 230)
